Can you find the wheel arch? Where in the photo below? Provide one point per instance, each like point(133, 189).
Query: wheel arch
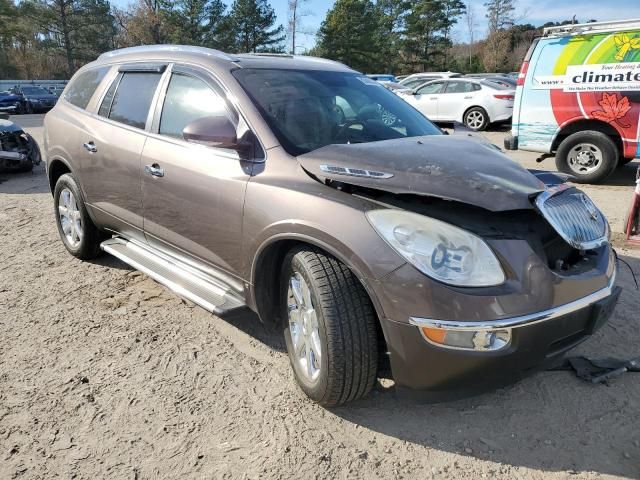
point(56, 167)
point(582, 124)
point(266, 271)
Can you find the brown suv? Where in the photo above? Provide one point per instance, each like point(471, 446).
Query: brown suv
point(309, 193)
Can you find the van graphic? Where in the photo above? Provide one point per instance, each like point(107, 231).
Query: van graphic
point(578, 96)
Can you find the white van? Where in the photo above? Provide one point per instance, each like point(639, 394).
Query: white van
point(578, 96)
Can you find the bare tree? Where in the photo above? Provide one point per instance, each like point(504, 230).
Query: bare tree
point(294, 24)
point(500, 14)
point(470, 20)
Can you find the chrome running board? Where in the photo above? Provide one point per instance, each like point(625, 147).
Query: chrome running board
point(183, 279)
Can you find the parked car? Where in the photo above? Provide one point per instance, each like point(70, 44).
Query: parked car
point(36, 99)
point(56, 90)
point(272, 183)
point(505, 81)
point(382, 77)
point(10, 102)
point(19, 151)
point(416, 79)
point(476, 103)
point(395, 87)
point(485, 75)
point(578, 97)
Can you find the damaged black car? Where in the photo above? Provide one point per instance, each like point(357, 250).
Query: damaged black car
point(19, 151)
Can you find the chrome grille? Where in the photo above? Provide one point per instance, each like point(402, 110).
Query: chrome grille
point(574, 216)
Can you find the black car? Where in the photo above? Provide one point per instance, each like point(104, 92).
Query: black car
point(11, 103)
point(36, 99)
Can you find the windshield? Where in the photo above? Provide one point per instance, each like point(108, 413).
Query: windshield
point(310, 109)
point(34, 91)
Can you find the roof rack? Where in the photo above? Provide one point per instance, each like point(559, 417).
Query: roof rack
point(169, 48)
point(269, 54)
point(593, 27)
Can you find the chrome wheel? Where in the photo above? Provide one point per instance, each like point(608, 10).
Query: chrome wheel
point(584, 158)
point(70, 217)
point(303, 327)
point(475, 119)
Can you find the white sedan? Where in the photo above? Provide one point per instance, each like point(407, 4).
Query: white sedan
point(476, 103)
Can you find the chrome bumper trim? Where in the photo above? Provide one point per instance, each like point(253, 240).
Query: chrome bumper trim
point(523, 320)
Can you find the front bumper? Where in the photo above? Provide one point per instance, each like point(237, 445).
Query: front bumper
point(438, 373)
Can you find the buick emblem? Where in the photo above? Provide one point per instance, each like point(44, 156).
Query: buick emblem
point(591, 208)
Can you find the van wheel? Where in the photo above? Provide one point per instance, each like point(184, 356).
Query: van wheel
point(330, 328)
point(77, 231)
point(476, 118)
point(589, 156)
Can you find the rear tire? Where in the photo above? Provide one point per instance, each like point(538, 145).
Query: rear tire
point(589, 156)
point(326, 308)
point(476, 118)
point(78, 233)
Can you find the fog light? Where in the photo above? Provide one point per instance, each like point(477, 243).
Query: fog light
point(478, 340)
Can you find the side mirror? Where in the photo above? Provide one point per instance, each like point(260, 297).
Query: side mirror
point(213, 132)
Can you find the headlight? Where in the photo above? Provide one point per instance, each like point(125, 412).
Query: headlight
point(438, 249)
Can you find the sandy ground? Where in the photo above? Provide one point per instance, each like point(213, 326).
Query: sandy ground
point(106, 374)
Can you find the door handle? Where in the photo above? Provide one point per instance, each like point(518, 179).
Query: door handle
point(90, 147)
point(154, 170)
point(433, 98)
point(467, 98)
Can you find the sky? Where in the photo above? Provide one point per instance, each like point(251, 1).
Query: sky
point(536, 12)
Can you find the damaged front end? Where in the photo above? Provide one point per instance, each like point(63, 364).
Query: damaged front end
point(19, 152)
point(506, 269)
point(473, 186)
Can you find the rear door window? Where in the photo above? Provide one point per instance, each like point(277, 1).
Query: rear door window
point(459, 87)
point(132, 98)
point(188, 99)
point(83, 87)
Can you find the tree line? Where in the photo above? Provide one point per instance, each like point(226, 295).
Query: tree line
point(53, 38)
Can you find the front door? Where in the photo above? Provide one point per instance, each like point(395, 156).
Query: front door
point(193, 195)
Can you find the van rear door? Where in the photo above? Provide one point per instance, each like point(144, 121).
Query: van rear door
point(520, 88)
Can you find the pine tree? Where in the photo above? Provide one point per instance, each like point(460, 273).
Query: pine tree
point(250, 27)
point(351, 34)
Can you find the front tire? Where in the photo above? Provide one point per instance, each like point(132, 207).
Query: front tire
point(329, 328)
point(476, 118)
point(78, 233)
point(589, 156)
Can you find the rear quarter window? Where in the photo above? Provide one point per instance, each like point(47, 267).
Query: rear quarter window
point(83, 87)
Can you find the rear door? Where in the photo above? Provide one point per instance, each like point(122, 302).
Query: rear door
point(193, 202)
point(426, 99)
point(113, 146)
point(457, 96)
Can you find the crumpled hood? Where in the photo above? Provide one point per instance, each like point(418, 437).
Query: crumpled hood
point(445, 166)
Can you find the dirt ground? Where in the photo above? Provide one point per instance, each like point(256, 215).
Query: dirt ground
point(106, 374)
